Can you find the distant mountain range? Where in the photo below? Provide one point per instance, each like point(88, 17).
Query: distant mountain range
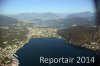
point(82, 14)
point(53, 19)
point(29, 16)
point(80, 19)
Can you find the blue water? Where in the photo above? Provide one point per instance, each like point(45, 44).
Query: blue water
point(29, 55)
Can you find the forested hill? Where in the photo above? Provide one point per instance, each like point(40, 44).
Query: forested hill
point(84, 36)
point(7, 21)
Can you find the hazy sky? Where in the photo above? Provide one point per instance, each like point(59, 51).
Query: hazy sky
point(56, 6)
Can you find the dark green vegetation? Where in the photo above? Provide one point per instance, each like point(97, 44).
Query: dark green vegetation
point(7, 21)
point(84, 36)
point(11, 36)
point(7, 60)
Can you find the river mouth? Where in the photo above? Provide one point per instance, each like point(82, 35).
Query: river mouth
point(43, 51)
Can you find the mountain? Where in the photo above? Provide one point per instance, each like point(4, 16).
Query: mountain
point(79, 19)
point(56, 20)
point(40, 19)
point(30, 16)
point(7, 21)
point(85, 36)
point(82, 14)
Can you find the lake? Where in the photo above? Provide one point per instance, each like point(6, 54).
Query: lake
point(30, 54)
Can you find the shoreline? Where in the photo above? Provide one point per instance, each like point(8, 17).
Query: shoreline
point(11, 56)
point(13, 52)
point(16, 61)
point(90, 49)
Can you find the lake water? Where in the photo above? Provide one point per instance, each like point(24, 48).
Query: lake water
point(30, 54)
